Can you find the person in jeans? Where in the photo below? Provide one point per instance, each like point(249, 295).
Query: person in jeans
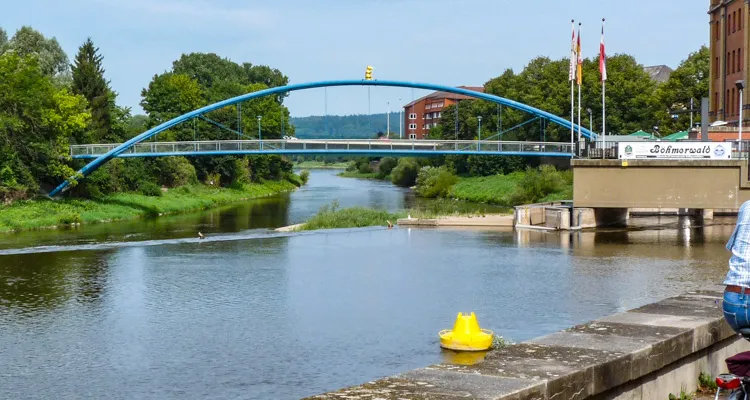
point(737, 292)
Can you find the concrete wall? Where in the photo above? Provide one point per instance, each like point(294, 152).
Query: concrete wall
point(697, 184)
point(644, 354)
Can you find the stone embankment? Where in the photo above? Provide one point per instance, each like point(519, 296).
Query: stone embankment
point(491, 220)
point(645, 353)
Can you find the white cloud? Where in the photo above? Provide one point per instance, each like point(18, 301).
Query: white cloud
point(198, 12)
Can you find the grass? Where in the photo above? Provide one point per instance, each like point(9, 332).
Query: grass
point(496, 189)
point(332, 217)
point(38, 214)
point(508, 190)
point(321, 165)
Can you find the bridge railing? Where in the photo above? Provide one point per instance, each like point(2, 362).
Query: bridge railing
point(313, 145)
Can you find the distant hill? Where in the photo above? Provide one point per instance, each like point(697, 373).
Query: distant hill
point(344, 126)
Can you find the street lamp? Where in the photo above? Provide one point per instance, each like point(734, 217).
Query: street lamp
point(479, 130)
point(656, 130)
point(591, 125)
point(260, 137)
point(388, 119)
point(400, 120)
point(740, 87)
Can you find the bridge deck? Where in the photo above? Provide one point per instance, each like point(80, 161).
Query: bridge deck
point(316, 146)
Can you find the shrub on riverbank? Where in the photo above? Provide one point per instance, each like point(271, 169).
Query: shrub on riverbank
point(386, 166)
point(331, 217)
point(530, 186)
point(435, 181)
point(36, 214)
point(405, 172)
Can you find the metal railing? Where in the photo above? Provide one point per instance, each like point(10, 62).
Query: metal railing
point(300, 146)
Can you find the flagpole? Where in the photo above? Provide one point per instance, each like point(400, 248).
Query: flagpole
point(603, 56)
point(580, 79)
point(572, 88)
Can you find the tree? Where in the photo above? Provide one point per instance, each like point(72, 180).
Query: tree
point(689, 81)
point(51, 58)
point(36, 120)
point(88, 81)
point(3, 40)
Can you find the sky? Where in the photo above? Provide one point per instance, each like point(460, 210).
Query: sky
point(449, 42)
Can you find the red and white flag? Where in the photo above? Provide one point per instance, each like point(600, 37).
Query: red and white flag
point(579, 61)
point(573, 60)
point(602, 57)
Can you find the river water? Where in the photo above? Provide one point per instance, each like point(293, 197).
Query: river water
point(144, 310)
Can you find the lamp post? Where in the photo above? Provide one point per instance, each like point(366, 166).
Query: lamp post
point(479, 132)
point(388, 119)
point(400, 121)
point(260, 137)
point(591, 125)
point(740, 87)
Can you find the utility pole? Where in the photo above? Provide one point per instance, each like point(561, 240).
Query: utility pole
point(388, 119)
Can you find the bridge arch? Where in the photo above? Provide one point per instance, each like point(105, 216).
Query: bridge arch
point(98, 162)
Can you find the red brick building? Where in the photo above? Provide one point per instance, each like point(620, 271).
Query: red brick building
point(729, 59)
point(424, 114)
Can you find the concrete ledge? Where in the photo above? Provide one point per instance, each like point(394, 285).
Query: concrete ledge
point(487, 220)
point(645, 353)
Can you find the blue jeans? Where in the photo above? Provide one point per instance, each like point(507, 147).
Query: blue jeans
point(736, 306)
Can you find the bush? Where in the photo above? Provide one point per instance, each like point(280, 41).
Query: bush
point(305, 176)
point(435, 181)
point(537, 184)
point(364, 167)
point(175, 171)
point(150, 189)
point(405, 173)
point(386, 166)
point(494, 165)
point(69, 219)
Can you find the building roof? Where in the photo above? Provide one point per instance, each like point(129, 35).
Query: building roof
point(641, 134)
point(625, 138)
point(659, 73)
point(446, 95)
point(676, 136)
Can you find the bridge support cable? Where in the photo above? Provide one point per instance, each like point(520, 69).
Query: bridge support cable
point(513, 128)
point(101, 160)
point(222, 126)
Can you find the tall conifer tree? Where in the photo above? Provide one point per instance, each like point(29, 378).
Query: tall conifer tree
point(88, 81)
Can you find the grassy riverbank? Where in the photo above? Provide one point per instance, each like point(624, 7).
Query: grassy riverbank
point(38, 214)
point(362, 175)
point(331, 217)
point(516, 188)
point(321, 165)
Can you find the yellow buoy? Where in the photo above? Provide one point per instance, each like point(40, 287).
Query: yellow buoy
point(466, 335)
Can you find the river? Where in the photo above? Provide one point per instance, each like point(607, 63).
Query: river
point(145, 310)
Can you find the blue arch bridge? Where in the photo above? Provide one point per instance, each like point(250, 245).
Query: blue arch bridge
point(99, 154)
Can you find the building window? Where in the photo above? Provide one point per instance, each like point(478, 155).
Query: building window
point(739, 20)
point(734, 22)
point(716, 67)
point(427, 127)
point(428, 116)
point(727, 62)
point(428, 106)
point(412, 116)
point(716, 31)
point(412, 136)
point(739, 60)
point(731, 104)
point(412, 126)
point(440, 114)
point(732, 61)
point(729, 24)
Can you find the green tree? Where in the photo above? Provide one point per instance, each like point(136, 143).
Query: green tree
point(36, 120)
point(51, 57)
point(689, 81)
point(3, 40)
point(88, 81)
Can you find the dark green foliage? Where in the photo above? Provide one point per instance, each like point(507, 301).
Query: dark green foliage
point(538, 183)
point(493, 165)
point(174, 171)
point(50, 57)
point(364, 167)
point(89, 82)
point(344, 126)
point(405, 172)
point(150, 189)
point(305, 176)
point(386, 166)
point(435, 181)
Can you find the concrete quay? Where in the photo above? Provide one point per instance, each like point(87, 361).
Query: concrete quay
point(489, 220)
point(645, 353)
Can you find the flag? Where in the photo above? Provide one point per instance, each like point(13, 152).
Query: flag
point(571, 74)
point(579, 63)
point(602, 57)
